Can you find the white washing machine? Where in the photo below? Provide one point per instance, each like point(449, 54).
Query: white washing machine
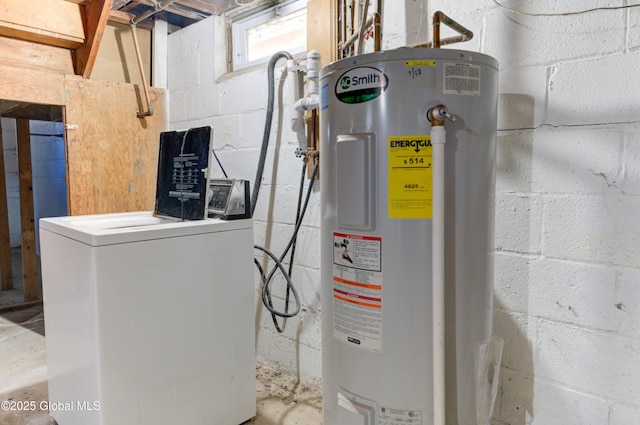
point(149, 321)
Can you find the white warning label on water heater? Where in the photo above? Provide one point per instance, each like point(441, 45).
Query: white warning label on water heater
point(387, 416)
point(461, 78)
point(357, 290)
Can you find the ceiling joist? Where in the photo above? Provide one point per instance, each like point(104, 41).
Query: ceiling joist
point(78, 25)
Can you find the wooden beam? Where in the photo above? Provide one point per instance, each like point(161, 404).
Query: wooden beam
point(8, 106)
point(53, 22)
point(95, 17)
point(172, 9)
point(125, 18)
point(322, 35)
point(19, 306)
point(20, 32)
point(322, 27)
point(185, 13)
point(31, 86)
point(118, 4)
point(31, 111)
point(131, 5)
point(25, 176)
point(25, 54)
point(201, 5)
point(121, 17)
point(6, 268)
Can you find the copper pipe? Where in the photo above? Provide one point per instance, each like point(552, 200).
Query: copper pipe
point(350, 35)
point(343, 16)
point(377, 25)
point(374, 20)
point(142, 75)
point(436, 43)
point(352, 39)
point(439, 18)
point(436, 30)
point(363, 26)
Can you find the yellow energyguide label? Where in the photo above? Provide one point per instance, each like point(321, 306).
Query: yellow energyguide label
point(410, 176)
point(420, 63)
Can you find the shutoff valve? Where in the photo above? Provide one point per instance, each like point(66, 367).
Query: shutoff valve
point(438, 114)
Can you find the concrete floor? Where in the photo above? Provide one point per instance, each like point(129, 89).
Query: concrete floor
point(23, 372)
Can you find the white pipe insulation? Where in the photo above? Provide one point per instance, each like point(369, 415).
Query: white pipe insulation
point(311, 99)
point(438, 136)
point(437, 116)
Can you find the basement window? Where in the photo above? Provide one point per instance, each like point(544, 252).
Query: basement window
point(257, 37)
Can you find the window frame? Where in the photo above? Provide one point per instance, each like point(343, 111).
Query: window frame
point(239, 48)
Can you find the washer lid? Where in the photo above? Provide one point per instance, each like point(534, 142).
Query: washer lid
point(111, 229)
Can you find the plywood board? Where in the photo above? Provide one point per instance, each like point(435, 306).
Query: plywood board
point(31, 86)
point(112, 155)
point(57, 22)
point(322, 24)
point(117, 60)
point(29, 55)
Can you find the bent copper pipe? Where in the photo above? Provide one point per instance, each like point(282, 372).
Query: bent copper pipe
point(142, 75)
point(441, 18)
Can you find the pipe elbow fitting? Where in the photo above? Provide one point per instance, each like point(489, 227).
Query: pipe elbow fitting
point(307, 103)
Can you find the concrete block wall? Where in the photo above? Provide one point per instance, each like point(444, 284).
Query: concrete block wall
point(9, 143)
point(48, 164)
point(48, 170)
point(567, 259)
point(234, 105)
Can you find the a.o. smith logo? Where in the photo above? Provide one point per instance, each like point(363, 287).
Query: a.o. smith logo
point(361, 84)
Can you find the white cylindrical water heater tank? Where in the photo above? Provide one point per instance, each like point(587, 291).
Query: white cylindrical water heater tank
point(377, 228)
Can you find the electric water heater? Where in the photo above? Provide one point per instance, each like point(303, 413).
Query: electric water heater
point(376, 191)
